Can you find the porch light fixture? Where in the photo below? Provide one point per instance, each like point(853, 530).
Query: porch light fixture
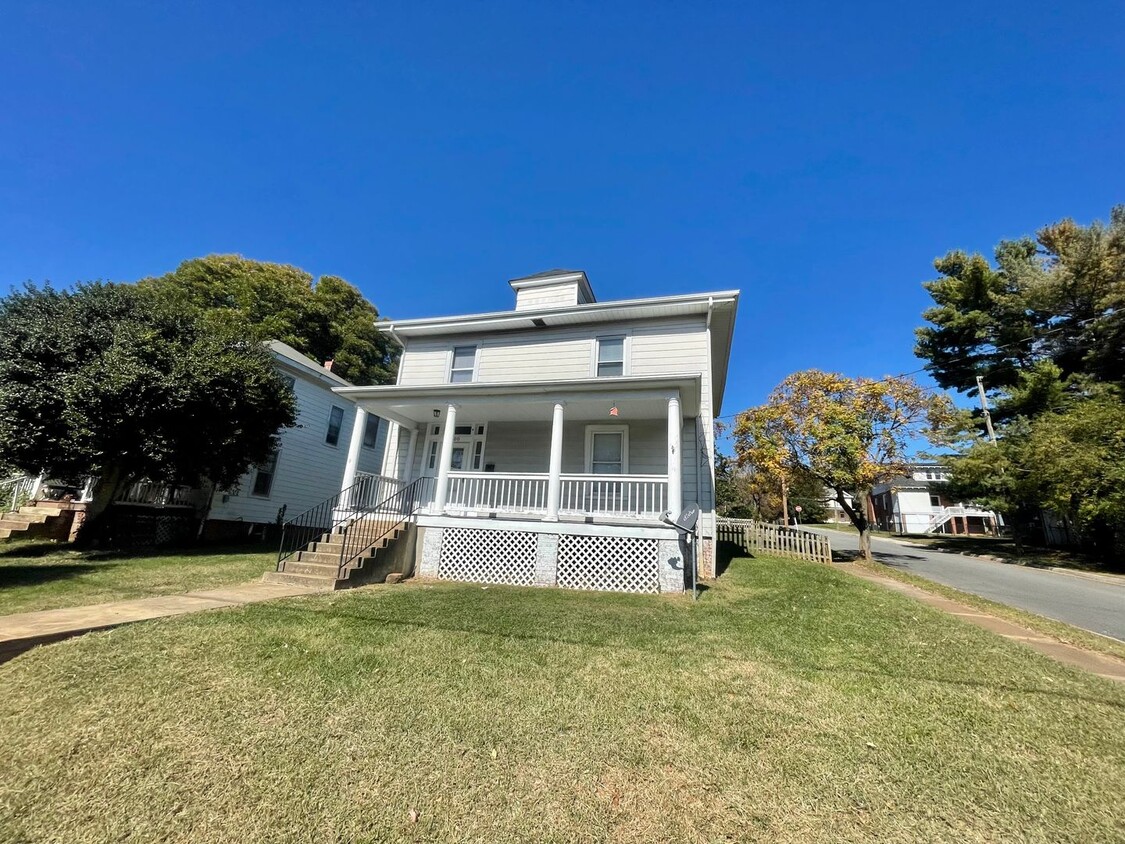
point(437, 413)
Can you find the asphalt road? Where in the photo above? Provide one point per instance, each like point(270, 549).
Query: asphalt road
point(1087, 602)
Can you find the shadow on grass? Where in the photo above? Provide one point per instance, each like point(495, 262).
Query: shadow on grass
point(46, 548)
point(11, 576)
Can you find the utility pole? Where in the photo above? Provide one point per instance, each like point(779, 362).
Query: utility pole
point(785, 500)
point(984, 409)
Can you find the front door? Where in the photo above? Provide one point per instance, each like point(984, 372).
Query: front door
point(468, 449)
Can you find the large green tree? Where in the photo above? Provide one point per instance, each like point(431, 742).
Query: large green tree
point(1044, 326)
point(327, 320)
point(849, 434)
point(1058, 298)
point(117, 382)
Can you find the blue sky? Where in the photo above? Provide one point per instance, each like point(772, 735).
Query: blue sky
point(817, 156)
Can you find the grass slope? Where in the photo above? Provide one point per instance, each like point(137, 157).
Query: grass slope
point(792, 703)
point(46, 575)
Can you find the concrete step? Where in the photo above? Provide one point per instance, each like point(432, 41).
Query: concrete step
point(298, 566)
point(334, 547)
point(307, 580)
point(322, 557)
point(40, 510)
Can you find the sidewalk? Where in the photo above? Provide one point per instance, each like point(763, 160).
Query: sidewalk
point(23, 631)
point(1095, 663)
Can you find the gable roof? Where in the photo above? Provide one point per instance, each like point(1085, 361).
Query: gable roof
point(303, 364)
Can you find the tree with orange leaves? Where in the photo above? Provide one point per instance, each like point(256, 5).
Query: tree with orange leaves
point(850, 433)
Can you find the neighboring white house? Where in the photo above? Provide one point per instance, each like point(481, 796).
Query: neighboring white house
point(310, 461)
point(550, 441)
point(918, 503)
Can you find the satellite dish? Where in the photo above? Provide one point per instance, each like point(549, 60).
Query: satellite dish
point(685, 522)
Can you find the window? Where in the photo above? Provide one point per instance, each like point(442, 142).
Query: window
point(607, 449)
point(371, 432)
point(263, 477)
point(335, 422)
point(935, 500)
point(610, 357)
point(289, 381)
point(464, 364)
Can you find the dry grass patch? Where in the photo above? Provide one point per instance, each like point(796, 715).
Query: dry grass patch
point(792, 703)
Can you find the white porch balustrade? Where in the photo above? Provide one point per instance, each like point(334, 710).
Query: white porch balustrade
point(497, 492)
point(616, 496)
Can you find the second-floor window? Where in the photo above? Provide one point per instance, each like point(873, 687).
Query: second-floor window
point(335, 423)
point(464, 364)
point(610, 354)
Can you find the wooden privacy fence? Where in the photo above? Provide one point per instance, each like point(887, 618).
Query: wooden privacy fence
point(758, 537)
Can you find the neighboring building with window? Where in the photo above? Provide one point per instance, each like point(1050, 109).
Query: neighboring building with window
point(919, 503)
point(306, 469)
point(546, 444)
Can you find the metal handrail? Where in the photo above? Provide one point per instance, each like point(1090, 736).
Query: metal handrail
point(366, 529)
point(331, 514)
point(336, 513)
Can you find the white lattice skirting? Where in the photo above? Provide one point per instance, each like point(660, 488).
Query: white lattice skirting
point(609, 563)
point(487, 556)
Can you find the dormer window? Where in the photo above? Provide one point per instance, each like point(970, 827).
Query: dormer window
point(463, 368)
point(610, 356)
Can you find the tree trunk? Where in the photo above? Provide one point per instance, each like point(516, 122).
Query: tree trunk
point(865, 543)
point(858, 517)
point(104, 494)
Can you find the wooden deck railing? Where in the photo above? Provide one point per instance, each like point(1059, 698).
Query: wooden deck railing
point(761, 538)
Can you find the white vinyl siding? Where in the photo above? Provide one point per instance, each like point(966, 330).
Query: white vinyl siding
point(655, 347)
point(555, 296)
point(307, 472)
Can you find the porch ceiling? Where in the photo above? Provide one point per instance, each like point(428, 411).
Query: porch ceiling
point(587, 399)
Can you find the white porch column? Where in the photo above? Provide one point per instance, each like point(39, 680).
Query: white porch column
point(554, 480)
point(442, 488)
point(390, 451)
point(354, 446)
point(410, 454)
point(675, 459)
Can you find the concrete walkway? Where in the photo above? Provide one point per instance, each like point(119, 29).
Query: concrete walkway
point(1096, 663)
point(23, 631)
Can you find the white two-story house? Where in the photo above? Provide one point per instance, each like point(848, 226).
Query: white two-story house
point(547, 444)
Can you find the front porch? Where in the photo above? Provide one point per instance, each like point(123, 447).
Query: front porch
point(599, 451)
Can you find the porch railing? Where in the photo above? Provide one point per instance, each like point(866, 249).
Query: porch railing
point(370, 489)
point(14, 491)
point(621, 496)
point(151, 494)
point(631, 496)
point(497, 492)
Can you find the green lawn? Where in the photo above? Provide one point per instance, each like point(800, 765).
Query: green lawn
point(47, 575)
point(793, 703)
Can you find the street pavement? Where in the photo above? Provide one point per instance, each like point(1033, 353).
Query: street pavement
point(1092, 603)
